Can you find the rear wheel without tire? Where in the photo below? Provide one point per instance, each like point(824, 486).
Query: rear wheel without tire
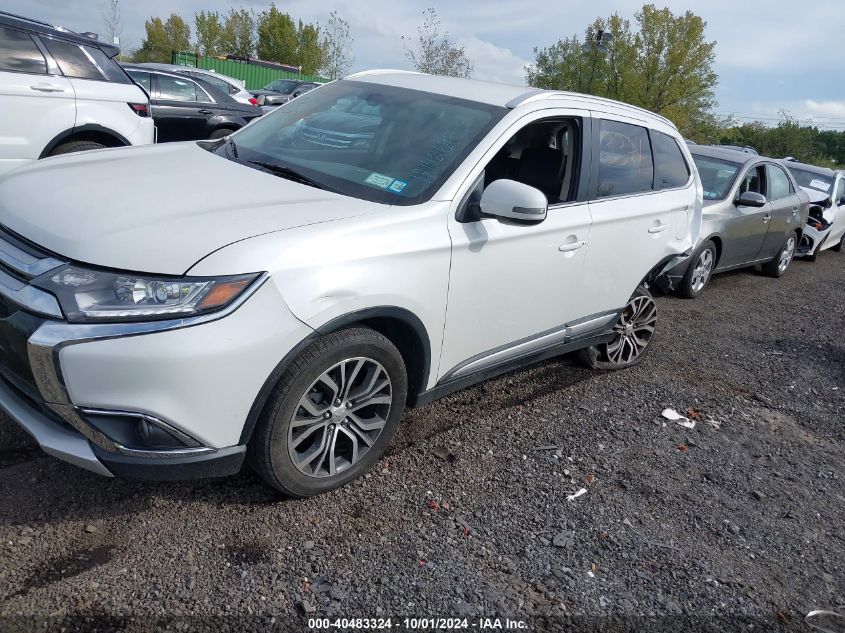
point(221, 133)
point(75, 146)
point(634, 333)
point(332, 414)
point(699, 272)
point(783, 259)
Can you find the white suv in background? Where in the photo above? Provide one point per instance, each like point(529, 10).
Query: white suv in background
point(287, 297)
point(62, 92)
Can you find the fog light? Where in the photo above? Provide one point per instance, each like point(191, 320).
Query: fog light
point(152, 436)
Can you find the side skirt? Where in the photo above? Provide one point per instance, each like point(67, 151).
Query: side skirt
point(450, 385)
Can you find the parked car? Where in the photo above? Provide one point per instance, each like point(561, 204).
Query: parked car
point(61, 92)
point(281, 91)
point(826, 224)
point(351, 124)
point(288, 303)
point(738, 148)
point(235, 88)
point(186, 108)
point(754, 214)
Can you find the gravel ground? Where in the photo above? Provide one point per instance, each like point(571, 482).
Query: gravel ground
point(736, 524)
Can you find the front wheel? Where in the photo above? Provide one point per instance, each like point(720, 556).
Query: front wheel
point(332, 414)
point(699, 272)
point(75, 146)
point(783, 259)
point(634, 332)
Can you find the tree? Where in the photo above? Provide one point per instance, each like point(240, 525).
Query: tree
point(666, 66)
point(112, 20)
point(209, 33)
point(433, 52)
point(238, 36)
point(277, 37)
point(337, 48)
point(162, 38)
point(309, 53)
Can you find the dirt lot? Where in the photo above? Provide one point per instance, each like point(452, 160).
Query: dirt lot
point(706, 529)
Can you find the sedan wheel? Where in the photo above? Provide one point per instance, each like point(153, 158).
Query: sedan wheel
point(701, 271)
point(634, 333)
point(778, 265)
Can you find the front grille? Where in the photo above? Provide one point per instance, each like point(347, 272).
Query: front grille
point(328, 138)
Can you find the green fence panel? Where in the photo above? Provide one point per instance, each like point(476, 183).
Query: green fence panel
point(255, 77)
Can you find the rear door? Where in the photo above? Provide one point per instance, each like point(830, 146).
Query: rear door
point(746, 230)
point(181, 109)
point(785, 205)
point(838, 229)
point(634, 225)
point(36, 102)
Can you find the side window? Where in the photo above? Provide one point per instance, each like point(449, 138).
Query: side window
point(544, 155)
point(142, 78)
point(625, 163)
point(670, 168)
point(779, 185)
point(83, 62)
point(753, 181)
point(202, 95)
point(840, 191)
point(174, 89)
point(18, 53)
point(214, 81)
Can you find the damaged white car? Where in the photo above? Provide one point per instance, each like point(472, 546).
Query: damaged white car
point(825, 226)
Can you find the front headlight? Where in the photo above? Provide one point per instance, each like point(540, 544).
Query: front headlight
point(88, 295)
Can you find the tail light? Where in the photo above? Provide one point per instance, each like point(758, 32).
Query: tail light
point(253, 101)
point(141, 109)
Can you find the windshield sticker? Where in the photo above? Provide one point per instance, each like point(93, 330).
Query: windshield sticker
point(379, 180)
point(397, 186)
point(821, 185)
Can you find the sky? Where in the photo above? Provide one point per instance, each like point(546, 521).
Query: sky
point(771, 55)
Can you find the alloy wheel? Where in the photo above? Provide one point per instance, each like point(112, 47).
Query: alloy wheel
point(634, 330)
point(340, 417)
point(787, 254)
point(702, 269)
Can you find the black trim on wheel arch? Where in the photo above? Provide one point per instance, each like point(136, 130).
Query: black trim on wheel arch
point(358, 317)
point(82, 129)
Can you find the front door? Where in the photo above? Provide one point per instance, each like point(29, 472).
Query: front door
point(838, 208)
point(746, 230)
point(512, 287)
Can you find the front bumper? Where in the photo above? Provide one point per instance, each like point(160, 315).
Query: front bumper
point(85, 391)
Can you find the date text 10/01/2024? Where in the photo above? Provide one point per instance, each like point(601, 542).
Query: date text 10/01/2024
point(440, 624)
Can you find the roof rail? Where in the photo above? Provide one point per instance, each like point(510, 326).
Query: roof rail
point(537, 94)
point(26, 19)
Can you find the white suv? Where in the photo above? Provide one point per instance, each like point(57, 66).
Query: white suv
point(288, 297)
point(61, 92)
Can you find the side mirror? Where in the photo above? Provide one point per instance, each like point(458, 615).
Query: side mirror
point(514, 201)
point(751, 199)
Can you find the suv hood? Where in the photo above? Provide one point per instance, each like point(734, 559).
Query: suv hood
point(156, 208)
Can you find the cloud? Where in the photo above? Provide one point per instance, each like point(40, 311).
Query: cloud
point(494, 63)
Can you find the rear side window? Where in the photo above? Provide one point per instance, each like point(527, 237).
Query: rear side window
point(18, 53)
point(670, 168)
point(84, 62)
point(173, 89)
point(217, 83)
point(779, 185)
point(625, 163)
point(142, 78)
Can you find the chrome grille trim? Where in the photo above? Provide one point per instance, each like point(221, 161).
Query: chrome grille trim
point(29, 297)
point(22, 262)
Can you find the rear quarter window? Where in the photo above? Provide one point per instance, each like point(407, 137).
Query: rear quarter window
point(670, 167)
point(625, 162)
point(84, 62)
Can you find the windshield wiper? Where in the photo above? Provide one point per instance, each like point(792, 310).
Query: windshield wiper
point(287, 172)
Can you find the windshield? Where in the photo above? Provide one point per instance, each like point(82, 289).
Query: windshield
point(717, 176)
point(368, 141)
point(813, 180)
point(282, 85)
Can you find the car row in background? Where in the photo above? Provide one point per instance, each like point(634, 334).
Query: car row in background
point(754, 214)
point(281, 91)
point(62, 92)
point(826, 224)
point(235, 88)
point(188, 108)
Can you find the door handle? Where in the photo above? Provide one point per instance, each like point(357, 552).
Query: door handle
point(766, 218)
point(794, 210)
point(658, 228)
point(45, 87)
point(572, 246)
point(204, 111)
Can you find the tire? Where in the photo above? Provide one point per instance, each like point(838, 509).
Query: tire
point(838, 248)
point(639, 316)
point(220, 133)
point(75, 146)
point(703, 262)
point(316, 456)
point(781, 262)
